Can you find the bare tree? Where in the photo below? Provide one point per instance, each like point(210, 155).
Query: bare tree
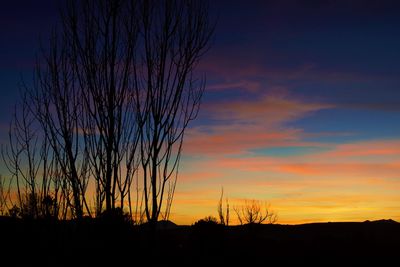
point(56, 104)
point(255, 212)
point(27, 159)
point(23, 161)
point(83, 99)
point(102, 36)
point(223, 216)
point(110, 102)
point(174, 35)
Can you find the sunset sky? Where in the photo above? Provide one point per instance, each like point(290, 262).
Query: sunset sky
point(301, 108)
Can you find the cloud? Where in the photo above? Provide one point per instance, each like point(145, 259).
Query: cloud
point(271, 109)
point(366, 159)
point(246, 125)
point(237, 139)
point(289, 166)
point(362, 150)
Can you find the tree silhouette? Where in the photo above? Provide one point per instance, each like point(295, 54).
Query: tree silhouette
point(175, 36)
point(110, 102)
point(34, 173)
point(101, 38)
point(255, 212)
point(223, 216)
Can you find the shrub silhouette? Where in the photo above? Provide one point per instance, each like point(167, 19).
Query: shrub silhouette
point(49, 207)
point(116, 215)
point(206, 222)
point(14, 211)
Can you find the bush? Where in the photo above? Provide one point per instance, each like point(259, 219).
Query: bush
point(115, 215)
point(14, 211)
point(207, 221)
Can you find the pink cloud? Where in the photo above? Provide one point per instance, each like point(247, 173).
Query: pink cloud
point(319, 169)
point(366, 149)
point(246, 125)
point(271, 109)
point(364, 159)
point(234, 140)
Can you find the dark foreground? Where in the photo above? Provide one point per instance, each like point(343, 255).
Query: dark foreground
point(104, 242)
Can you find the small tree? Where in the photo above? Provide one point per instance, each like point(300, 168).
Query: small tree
point(223, 216)
point(255, 212)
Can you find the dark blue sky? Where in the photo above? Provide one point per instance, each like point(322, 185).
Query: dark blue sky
point(23, 24)
point(343, 53)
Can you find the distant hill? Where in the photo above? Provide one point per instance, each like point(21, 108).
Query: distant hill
point(381, 221)
point(162, 225)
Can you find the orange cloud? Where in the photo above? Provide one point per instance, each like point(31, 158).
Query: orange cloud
point(361, 150)
point(351, 159)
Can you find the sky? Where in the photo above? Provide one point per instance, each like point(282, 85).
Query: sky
point(301, 108)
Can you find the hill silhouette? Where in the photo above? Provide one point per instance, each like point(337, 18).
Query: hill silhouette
point(66, 243)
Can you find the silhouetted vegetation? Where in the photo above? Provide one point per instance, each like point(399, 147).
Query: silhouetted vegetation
point(255, 212)
point(223, 215)
point(116, 215)
point(209, 220)
point(111, 99)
